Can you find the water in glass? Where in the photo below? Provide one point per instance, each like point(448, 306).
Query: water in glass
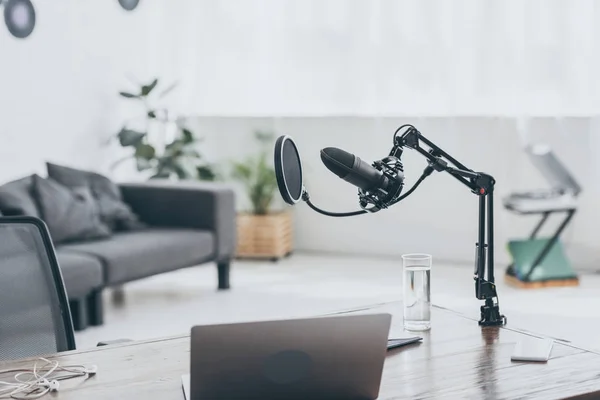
point(417, 297)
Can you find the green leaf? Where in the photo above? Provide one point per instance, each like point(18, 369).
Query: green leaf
point(180, 171)
point(165, 163)
point(146, 89)
point(174, 144)
point(258, 176)
point(161, 174)
point(143, 164)
point(177, 149)
point(190, 152)
point(188, 136)
point(129, 95)
point(168, 90)
point(151, 114)
point(242, 172)
point(129, 137)
point(145, 151)
point(206, 173)
point(176, 153)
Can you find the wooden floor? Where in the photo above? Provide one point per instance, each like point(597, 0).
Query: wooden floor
point(305, 285)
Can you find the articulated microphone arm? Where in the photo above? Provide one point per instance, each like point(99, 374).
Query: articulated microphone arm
point(480, 184)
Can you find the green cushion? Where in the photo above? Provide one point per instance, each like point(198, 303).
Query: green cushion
point(555, 265)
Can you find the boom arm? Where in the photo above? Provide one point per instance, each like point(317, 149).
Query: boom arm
point(480, 184)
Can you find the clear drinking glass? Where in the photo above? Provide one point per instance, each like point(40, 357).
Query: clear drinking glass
point(417, 291)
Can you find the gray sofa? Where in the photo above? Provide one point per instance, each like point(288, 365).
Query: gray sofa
point(187, 224)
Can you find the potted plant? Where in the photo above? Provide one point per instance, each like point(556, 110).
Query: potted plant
point(262, 232)
point(163, 149)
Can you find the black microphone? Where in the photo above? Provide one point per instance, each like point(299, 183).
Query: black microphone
point(354, 170)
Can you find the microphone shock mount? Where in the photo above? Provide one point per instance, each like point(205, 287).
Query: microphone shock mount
point(379, 198)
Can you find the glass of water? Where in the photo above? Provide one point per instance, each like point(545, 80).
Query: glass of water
point(417, 291)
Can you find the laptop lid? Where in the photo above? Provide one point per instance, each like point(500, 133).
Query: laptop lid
point(553, 170)
point(338, 357)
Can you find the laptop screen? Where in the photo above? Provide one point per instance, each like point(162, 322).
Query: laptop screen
point(555, 173)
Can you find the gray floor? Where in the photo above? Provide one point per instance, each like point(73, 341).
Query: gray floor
point(306, 285)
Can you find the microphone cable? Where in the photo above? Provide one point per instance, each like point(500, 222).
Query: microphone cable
point(306, 198)
point(428, 170)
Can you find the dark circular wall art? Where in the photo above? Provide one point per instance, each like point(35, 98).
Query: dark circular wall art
point(19, 16)
point(129, 4)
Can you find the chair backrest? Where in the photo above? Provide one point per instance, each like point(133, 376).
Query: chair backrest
point(34, 310)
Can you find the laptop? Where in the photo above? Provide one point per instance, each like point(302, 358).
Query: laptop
point(339, 357)
point(553, 170)
point(561, 196)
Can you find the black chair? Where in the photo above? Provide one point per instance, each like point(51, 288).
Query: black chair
point(34, 310)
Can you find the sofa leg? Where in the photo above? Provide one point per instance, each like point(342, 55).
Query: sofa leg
point(95, 308)
point(118, 295)
point(79, 314)
point(223, 271)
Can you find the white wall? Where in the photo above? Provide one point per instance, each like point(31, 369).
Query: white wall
point(58, 87)
point(392, 57)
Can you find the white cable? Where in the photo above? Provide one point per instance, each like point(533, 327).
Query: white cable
point(41, 379)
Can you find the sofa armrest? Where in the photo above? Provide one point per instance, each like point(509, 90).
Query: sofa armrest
point(187, 204)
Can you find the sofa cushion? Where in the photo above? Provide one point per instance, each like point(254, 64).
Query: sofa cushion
point(71, 214)
point(133, 255)
point(115, 213)
point(16, 198)
point(81, 273)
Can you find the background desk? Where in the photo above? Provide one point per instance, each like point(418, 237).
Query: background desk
point(456, 360)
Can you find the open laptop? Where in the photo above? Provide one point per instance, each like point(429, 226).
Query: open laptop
point(563, 187)
point(553, 170)
point(338, 357)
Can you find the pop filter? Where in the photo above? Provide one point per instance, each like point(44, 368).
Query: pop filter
point(288, 170)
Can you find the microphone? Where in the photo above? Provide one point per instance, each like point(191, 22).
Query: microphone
point(357, 172)
point(379, 184)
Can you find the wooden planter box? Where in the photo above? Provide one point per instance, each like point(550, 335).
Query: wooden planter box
point(264, 236)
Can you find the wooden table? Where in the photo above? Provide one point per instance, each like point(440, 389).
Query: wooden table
point(456, 360)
